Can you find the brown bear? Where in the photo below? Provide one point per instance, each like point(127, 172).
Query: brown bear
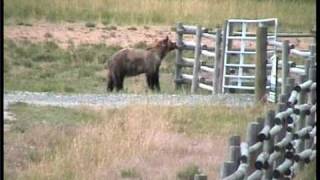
point(131, 62)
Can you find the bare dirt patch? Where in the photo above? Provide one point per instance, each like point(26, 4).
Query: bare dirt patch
point(64, 34)
point(125, 36)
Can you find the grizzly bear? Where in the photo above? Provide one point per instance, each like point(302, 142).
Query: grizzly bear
point(131, 62)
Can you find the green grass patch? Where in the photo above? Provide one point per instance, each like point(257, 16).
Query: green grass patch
point(188, 172)
point(214, 119)
point(45, 67)
point(30, 115)
point(129, 173)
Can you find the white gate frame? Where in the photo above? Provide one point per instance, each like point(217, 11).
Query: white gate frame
point(240, 77)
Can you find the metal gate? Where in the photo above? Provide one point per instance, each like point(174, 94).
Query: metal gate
point(239, 66)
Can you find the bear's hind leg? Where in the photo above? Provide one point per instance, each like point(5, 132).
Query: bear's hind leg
point(119, 83)
point(149, 81)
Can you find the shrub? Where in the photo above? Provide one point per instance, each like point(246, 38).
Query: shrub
point(129, 173)
point(188, 172)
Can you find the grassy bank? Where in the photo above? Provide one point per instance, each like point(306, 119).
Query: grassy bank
point(58, 143)
point(46, 67)
point(82, 143)
point(293, 15)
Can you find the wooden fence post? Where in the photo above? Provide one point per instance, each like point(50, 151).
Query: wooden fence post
point(196, 65)
point(301, 120)
point(312, 96)
point(252, 132)
point(289, 87)
point(312, 49)
point(234, 150)
point(285, 66)
point(179, 31)
point(217, 73)
point(224, 33)
point(268, 144)
point(281, 106)
point(261, 64)
point(227, 169)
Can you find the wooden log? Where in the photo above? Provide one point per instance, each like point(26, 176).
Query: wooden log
point(301, 120)
point(208, 69)
point(234, 154)
point(187, 77)
point(285, 66)
point(284, 142)
point(239, 173)
point(312, 99)
point(217, 83)
point(178, 55)
point(189, 29)
point(282, 116)
point(234, 141)
point(268, 144)
point(303, 156)
point(234, 150)
point(261, 162)
point(282, 168)
point(256, 175)
point(222, 56)
point(304, 54)
point(208, 53)
point(312, 49)
point(290, 86)
point(251, 138)
point(227, 169)
point(281, 106)
point(261, 61)
point(196, 66)
point(244, 151)
point(313, 77)
point(205, 86)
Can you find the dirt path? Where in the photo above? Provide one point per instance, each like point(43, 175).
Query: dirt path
point(124, 36)
point(121, 100)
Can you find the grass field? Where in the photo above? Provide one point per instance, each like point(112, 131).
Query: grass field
point(58, 143)
point(45, 67)
point(135, 142)
point(48, 142)
point(298, 15)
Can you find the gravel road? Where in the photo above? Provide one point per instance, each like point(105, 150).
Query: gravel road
point(120, 100)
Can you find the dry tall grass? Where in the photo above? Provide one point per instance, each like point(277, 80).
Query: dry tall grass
point(154, 142)
point(294, 15)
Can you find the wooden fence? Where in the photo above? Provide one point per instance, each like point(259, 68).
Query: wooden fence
point(213, 52)
point(278, 145)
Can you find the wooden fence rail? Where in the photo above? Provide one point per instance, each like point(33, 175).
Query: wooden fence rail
point(281, 155)
point(214, 69)
point(279, 145)
point(212, 52)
